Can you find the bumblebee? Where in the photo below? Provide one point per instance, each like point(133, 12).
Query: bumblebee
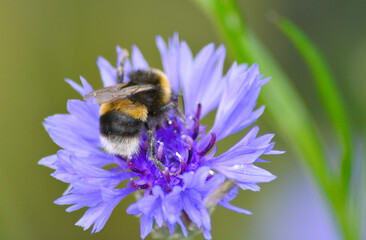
point(130, 107)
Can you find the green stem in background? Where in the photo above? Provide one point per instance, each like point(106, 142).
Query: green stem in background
point(326, 88)
point(288, 110)
point(280, 97)
point(363, 183)
point(332, 101)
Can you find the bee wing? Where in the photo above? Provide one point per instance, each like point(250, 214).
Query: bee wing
point(111, 89)
point(117, 92)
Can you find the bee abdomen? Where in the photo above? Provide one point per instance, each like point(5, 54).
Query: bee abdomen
point(120, 133)
point(120, 124)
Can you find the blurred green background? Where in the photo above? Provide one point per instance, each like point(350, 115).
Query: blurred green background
point(42, 42)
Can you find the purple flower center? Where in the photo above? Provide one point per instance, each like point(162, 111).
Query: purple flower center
point(177, 150)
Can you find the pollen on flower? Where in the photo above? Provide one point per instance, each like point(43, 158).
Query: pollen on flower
point(190, 175)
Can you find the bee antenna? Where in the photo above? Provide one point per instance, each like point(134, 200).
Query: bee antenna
point(120, 72)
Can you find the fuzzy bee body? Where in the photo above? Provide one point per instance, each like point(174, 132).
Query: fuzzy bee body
point(127, 108)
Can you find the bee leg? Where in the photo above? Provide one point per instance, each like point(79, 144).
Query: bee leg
point(165, 108)
point(120, 72)
point(178, 111)
point(152, 147)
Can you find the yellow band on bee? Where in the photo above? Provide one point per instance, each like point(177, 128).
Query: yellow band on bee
point(133, 109)
point(165, 87)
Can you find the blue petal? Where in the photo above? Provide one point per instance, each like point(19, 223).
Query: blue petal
point(246, 173)
point(82, 186)
point(200, 177)
point(204, 82)
point(206, 223)
point(246, 151)
point(118, 195)
point(246, 155)
point(231, 195)
point(248, 186)
point(158, 192)
point(171, 60)
point(90, 216)
point(158, 215)
point(107, 72)
point(209, 80)
point(234, 208)
point(138, 61)
point(49, 161)
point(99, 214)
point(133, 209)
point(188, 178)
point(146, 225)
point(84, 89)
point(190, 85)
point(212, 184)
point(75, 86)
point(185, 65)
point(87, 87)
point(207, 234)
point(78, 132)
point(181, 224)
point(90, 199)
point(127, 67)
point(210, 98)
point(84, 112)
point(236, 163)
point(171, 228)
point(189, 205)
point(89, 171)
point(173, 205)
point(104, 216)
point(97, 157)
point(235, 114)
point(146, 204)
point(206, 220)
point(64, 131)
point(120, 54)
point(274, 152)
point(88, 117)
point(64, 161)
